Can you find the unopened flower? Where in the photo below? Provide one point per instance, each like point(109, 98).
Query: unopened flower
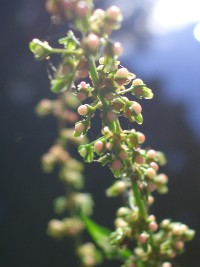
point(81, 9)
point(150, 173)
point(136, 107)
point(114, 13)
point(141, 138)
point(83, 110)
point(117, 49)
point(99, 146)
point(137, 82)
point(92, 42)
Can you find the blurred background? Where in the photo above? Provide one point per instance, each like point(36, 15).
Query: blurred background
point(162, 46)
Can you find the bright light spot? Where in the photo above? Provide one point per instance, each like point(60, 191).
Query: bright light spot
point(172, 14)
point(196, 32)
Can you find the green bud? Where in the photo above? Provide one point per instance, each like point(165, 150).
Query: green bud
point(60, 204)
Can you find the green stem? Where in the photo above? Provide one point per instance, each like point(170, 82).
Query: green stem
point(66, 52)
point(139, 202)
point(93, 71)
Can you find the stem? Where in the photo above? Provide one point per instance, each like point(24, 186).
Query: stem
point(139, 202)
point(66, 52)
point(93, 71)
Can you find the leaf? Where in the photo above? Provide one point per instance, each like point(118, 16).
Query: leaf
point(101, 236)
point(147, 93)
point(69, 42)
point(58, 85)
point(139, 118)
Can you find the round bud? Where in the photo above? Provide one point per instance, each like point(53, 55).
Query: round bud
point(109, 146)
point(123, 211)
point(109, 96)
point(162, 178)
point(142, 238)
point(179, 245)
point(116, 165)
point(151, 154)
point(153, 226)
point(150, 172)
point(55, 228)
point(117, 49)
point(83, 110)
point(99, 13)
point(166, 264)
point(122, 73)
point(165, 223)
point(79, 127)
point(154, 165)
point(66, 4)
point(81, 9)
point(111, 116)
point(101, 60)
point(141, 138)
point(151, 218)
point(150, 200)
point(98, 146)
point(81, 96)
point(113, 13)
point(123, 155)
point(139, 159)
point(120, 223)
point(136, 107)
point(92, 42)
point(82, 85)
point(137, 82)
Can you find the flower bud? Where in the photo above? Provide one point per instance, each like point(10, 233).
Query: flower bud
point(123, 212)
point(154, 165)
point(83, 110)
point(122, 73)
point(153, 226)
point(55, 228)
point(120, 223)
point(81, 9)
point(150, 173)
point(114, 13)
point(111, 116)
point(151, 154)
point(116, 165)
point(166, 264)
point(142, 238)
point(44, 107)
point(116, 189)
point(60, 204)
point(79, 128)
point(99, 146)
point(136, 107)
point(117, 49)
point(137, 82)
point(92, 42)
point(141, 137)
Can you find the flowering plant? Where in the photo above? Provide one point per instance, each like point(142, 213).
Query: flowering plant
point(111, 94)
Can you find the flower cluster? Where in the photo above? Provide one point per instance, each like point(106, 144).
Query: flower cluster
point(70, 172)
point(113, 93)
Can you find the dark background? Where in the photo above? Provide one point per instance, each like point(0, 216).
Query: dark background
point(171, 124)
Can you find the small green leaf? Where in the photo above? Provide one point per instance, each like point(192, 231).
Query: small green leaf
point(58, 85)
point(139, 118)
point(147, 93)
point(70, 42)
